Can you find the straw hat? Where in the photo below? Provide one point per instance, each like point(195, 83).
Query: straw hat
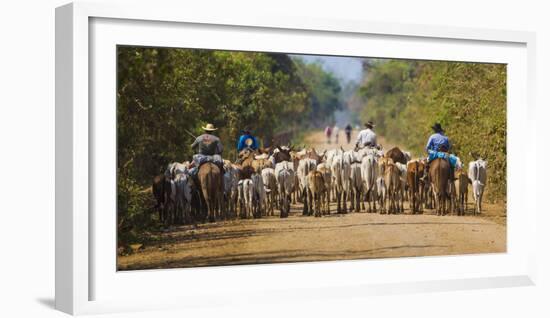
point(209, 127)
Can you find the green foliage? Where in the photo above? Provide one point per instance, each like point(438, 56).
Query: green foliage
point(165, 95)
point(405, 98)
point(324, 90)
point(133, 218)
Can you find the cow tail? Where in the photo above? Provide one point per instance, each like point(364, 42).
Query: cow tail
point(415, 183)
point(373, 175)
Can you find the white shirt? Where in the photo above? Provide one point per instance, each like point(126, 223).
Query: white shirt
point(366, 136)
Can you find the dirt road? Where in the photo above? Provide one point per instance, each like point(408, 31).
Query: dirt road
point(298, 238)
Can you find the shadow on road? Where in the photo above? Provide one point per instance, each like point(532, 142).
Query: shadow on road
point(279, 256)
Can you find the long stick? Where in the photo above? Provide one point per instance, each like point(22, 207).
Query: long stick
point(189, 133)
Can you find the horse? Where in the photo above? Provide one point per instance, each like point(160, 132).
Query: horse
point(440, 170)
point(211, 185)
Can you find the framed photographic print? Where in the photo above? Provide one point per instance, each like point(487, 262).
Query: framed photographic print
point(270, 154)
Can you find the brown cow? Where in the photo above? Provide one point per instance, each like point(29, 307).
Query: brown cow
point(211, 185)
point(415, 171)
point(461, 185)
point(396, 155)
point(312, 154)
point(316, 191)
point(439, 175)
point(327, 176)
point(245, 162)
point(393, 186)
point(259, 164)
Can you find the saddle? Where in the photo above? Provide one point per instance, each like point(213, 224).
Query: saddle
point(200, 159)
point(452, 159)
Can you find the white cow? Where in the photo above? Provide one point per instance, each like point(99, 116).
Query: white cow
point(324, 168)
point(352, 159)
point(381, 193)
point(367, 151)
point(246, 193)
point(356, 186)
point(477, 172)
point(369, 173)
point(270, 184)
point(284, 172)
point(182, 184)
point(304, 167)
point(329, 155)
point(259, 196)
point(231, 183)
point(176, 201)
point(341, 172)
point(403, 194)
point(176, 168)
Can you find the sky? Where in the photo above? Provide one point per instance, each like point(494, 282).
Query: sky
point(343, 67)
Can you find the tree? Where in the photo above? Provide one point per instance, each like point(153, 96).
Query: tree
point(405, 98)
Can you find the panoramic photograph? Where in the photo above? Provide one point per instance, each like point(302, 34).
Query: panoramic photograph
point(235, 158)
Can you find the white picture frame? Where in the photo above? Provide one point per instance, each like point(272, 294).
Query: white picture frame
point(81, 28)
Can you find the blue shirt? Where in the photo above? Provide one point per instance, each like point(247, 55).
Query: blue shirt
point(438, 140)
point(243, 144)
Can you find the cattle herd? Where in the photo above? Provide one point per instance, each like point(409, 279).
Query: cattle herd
point(266, 183)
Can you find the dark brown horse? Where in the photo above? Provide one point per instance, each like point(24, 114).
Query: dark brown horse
point(211, 185)
point(440, 170)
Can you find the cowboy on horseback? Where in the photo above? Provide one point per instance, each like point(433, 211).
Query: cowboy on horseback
point(247, 140)
point(438, 141)
point(438, 146)
point(209, 149)
point(367, 137)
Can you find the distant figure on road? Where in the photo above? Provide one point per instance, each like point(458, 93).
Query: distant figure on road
point(348, 133)
point(336, 132)
point(328, 133)
point(367, 136)
point(247, 141)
